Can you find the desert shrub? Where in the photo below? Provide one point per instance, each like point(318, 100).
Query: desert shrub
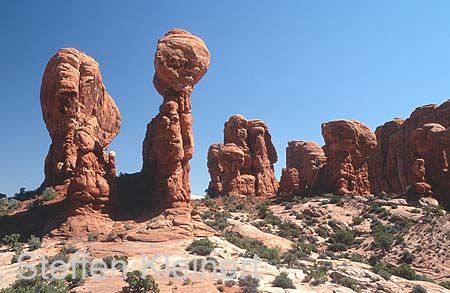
point(68, 249)
point(12, 241)
point(48, 194)
point(286, 231)
point(415, 211)
point(111, 237)
point(92, 237)
point(385, 270)
point(76, 280)
point(201, 247)
point(36, 284)
point(354, 257)
point(220, 221)
point(407, 257)
point(34, 242)
point(283, 281)
point(253, 247)
point(8, 205)
point(137, 283)
point(445, 284)
point(357, 220)
point(349, 283)
point(321, 232)
point(336, 199)
point(249, 284)
point(262, 211)
point(419, 289)
point(230, 283)
point(208, 264)
point(405, 271)
point(382, 238)
point(58, 257)
point(335, 247)
point(317, 274)
point(344, 236)
point(210, 203)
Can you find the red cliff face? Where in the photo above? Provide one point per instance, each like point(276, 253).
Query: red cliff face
point(304, 163)
point(413, 155)
point(181, 60)
point(348, 144)
point(244, 164)
point(82, 120)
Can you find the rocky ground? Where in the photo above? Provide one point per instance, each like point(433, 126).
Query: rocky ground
point(323, 244)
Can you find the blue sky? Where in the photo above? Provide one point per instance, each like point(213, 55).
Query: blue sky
point(293, 64)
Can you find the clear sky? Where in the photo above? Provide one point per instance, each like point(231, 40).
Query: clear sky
point(293, 64)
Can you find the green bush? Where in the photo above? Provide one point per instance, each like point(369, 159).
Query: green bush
point(77, 279)
point(357, 220)
point(92, 237)
point(249, 284)
point(220, 221)
point(48, 194)
point(37, 284)
point(68, 249)
point(419, 289)
point(201, 247)
point(137, 283)
point(383, 239)
point(34, 242)
point(208, 264)
point(262, 211)
point(12, 241)
point(349, 283)
point(253, 247)
point(283, 281)
point(344, 236)
point(405, 271)
point(445, 284)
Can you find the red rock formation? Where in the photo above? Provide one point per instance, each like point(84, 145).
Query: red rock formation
point(289, 181)
point(181, 59)
point(82, 119)
point(395, 167)
point(308, 159)
point(253, 175)
point(348, 144)
point(215, 170)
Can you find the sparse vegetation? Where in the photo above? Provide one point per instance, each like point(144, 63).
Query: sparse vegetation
point(283, 281)
point(137, 283)
point(249, 284)
point(255, 247)
point(349, 283)
point(419, 289)
point(34, 243)
point(201, 247)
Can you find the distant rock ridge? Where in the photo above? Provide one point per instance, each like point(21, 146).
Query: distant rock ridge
point(412, 155)
point(339, 167)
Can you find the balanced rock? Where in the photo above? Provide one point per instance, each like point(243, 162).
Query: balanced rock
point(245, 160)
point(82, 120)
point(181, 59)
point(348, 144)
